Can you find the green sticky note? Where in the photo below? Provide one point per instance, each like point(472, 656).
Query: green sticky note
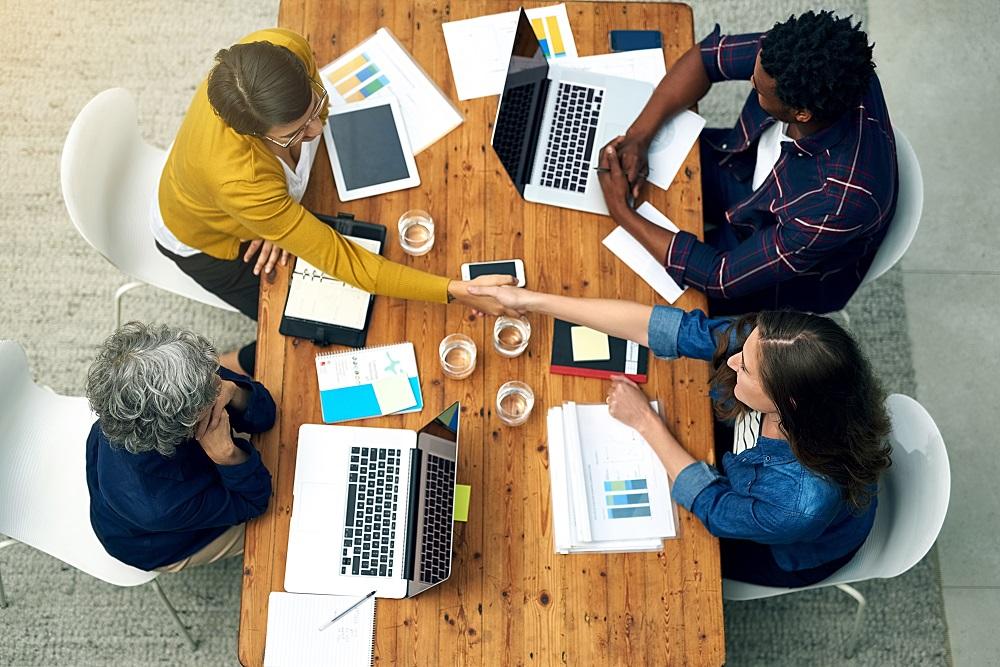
point(462, 492)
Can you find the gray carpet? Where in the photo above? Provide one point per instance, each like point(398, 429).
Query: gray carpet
point(56, 295)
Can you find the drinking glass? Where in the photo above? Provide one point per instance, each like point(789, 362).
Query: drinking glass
point(511, 335)
point(416, 232)
point(457, 354)
point(514, 402)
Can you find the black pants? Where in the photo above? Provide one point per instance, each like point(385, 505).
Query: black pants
point(232, 280)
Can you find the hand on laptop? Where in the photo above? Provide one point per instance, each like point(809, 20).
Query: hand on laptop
point(481, 303)
point(614, 184)
point(631, 154)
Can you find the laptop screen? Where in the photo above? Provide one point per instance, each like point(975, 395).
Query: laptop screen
point(427, 559)
point(520, 112)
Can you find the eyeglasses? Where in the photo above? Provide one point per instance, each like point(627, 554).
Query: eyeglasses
point(320, 108)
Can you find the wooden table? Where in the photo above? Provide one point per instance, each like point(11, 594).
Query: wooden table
point(510, 600)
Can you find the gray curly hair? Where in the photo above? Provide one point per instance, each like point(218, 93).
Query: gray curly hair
point(149, 386)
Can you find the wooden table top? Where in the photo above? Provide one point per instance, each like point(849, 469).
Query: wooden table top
point(511, 600)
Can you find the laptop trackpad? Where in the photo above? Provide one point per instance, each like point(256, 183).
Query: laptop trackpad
point(610, 131)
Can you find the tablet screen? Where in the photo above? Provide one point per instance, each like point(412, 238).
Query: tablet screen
point(368, 147)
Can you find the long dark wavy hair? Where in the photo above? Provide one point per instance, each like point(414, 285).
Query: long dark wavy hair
point(830, 404)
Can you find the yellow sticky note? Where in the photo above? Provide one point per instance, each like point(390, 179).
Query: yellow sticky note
point(590, 345)
point(394, 393)
point(462, 492)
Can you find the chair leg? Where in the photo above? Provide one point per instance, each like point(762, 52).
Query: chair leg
point(3, 594)
point(173, 613)
point(119, 293)
point(852, 644)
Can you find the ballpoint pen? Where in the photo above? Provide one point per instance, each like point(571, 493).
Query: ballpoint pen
point(345, 612)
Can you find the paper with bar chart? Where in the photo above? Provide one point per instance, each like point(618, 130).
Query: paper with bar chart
point(618, 487)
point(380, 67)
point(479, 48)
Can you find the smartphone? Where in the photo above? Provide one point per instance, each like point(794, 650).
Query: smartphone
point(634, 40)
point(506, 267)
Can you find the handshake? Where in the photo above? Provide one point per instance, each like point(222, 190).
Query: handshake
point(492, 295)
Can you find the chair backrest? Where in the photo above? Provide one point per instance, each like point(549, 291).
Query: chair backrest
point(109, 178)
point(909, 207)
point(44, 499)
point(912, 503)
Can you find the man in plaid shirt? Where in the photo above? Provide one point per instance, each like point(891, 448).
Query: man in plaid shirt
point(798, 195)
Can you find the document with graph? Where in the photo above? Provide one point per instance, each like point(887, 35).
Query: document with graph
point(614, 492)
point(380, 67)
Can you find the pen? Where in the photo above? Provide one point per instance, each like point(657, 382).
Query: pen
point(345, 612)
point(603, 169)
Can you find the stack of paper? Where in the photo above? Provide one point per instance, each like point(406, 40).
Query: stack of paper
point(380, 67)
point(609, 491)
point(479, 48)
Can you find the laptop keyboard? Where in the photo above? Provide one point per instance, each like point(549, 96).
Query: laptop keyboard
point(439, 496)
point(566, 165)
point(369, 530)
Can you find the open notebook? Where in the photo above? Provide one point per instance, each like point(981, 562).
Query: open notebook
point(295, 640)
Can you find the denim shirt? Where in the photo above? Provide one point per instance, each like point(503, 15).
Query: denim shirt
point(766, 495)
point(149, 510)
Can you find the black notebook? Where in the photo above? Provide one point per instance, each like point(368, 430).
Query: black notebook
point(626, 357)
point(327, 310)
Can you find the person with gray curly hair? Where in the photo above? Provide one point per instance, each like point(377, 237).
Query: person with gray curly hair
point(170, 485)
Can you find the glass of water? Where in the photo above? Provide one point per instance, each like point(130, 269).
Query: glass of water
point(416, 232)
point(514, 402)
point(511, 335)
point(457, 354)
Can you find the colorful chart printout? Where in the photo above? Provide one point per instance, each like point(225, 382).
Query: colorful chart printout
point(622, 502)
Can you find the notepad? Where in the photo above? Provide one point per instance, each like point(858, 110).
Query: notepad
point(294, 638)
point(370, 382)
point(590, 345)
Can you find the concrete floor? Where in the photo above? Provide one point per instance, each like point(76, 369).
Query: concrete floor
point(939, 63)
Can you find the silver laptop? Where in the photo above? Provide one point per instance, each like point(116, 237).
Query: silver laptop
point(552, 121)
point(372, 509)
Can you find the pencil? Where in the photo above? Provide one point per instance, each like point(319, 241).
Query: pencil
point(345, 612)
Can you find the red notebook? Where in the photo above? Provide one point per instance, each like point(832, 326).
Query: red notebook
point(627, 358)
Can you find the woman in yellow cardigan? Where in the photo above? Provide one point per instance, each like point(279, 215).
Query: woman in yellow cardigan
point(237, 170)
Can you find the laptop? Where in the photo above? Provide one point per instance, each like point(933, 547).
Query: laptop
point(552, 121)
point(372, 509)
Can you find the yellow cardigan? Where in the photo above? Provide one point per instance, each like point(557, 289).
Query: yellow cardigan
point(219, 188)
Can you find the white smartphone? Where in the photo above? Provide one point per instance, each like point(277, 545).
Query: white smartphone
point(507, 267)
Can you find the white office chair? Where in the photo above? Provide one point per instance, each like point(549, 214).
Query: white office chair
point(109, 178)
point(909, 207)
point(44, 499)
point(912, 503)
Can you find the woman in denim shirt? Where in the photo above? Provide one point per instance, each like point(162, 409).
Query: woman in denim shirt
point(797, 498)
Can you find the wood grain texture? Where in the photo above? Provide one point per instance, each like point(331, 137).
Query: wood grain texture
point(510, 599)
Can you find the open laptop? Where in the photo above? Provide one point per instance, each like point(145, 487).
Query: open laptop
point(552, 121)
point(372, 509)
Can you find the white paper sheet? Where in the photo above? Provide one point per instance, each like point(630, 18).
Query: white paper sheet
point(637, 258)
point(295, 640)
point(642, 65)
point(479, 48)
point(380, 67)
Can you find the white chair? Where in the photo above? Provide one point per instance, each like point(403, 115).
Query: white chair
point(912, 503)
point(109, 178)
point(909, 207)
point(44, 499)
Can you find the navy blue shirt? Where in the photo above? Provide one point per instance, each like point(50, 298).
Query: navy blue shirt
point(808, 234)
point(766, 495)
point(149, 510)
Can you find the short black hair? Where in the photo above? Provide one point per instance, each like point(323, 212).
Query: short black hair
point(820, 62)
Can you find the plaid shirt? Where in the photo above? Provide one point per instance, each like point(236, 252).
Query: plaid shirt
point(808, 234)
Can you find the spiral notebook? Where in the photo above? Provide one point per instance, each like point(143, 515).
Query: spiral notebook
point(370, 382)
point(295, 640)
